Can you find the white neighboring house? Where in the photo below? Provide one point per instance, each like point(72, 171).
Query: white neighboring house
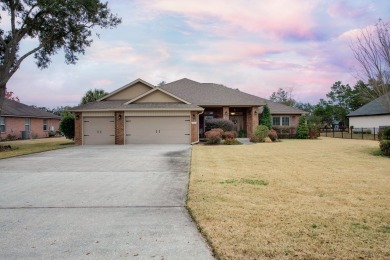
point(372, 115)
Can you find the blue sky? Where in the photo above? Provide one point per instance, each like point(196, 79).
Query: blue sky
point(256, 46)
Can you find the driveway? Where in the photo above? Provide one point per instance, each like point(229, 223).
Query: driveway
point(98, 202)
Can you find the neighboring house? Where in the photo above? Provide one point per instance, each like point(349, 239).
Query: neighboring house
point(23, 121)
point(172, 113)
point(371, 115)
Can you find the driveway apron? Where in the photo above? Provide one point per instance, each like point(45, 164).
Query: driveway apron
point(98, 202)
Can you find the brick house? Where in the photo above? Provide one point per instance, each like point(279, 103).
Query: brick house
point(173, 113)
point(24, 122)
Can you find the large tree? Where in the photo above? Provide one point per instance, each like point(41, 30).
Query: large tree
point(371, 49)
point(283, 97)
point(54, 25)
point(93, 95)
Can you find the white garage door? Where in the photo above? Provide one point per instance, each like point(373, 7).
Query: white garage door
point(99, 130)
point(158, 130)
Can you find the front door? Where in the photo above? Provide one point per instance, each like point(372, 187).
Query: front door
point(238, 122)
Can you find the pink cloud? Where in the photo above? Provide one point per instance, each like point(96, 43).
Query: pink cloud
point(284, 18)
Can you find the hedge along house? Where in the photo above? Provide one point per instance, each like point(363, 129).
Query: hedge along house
point(24, 122)
point(140, 113)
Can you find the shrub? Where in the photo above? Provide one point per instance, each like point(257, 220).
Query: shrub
point(303, 129)
point(52, 134)
point(219, 130)
point(232, 141)
point(10, 137)
point(261, 132)
point(67, 126)
point(314, 131)
point(213, 137)
point(242, 133)
point(384, 145)
point(384, 133)
point(285, 131)
point(266, 118)
point(273, 135)
point(229, 135)
point(225, 125)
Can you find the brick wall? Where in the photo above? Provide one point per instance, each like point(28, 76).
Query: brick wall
point(119, 128)
point(194, 127)
point(14, 126)
point(78, 128)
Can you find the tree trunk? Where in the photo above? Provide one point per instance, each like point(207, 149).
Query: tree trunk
point(3, 88)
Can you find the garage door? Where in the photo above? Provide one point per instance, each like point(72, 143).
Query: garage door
point(158, 130)
point(99, 130)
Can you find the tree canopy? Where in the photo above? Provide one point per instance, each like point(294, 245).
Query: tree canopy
point(54, 24)
point(93, 95)
point(283, 97)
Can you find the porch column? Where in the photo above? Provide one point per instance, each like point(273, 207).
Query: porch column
point(119, 127)
point(78, 128)
point(225, 113)
point(194, 127)
point(252, 120)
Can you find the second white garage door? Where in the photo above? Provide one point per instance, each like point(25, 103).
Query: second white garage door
point(158, 130)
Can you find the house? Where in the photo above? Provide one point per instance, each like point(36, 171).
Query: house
point(372, 115)
point(24, 122)
point(172, 113)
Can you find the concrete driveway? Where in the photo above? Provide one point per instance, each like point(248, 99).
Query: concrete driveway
point(98, 202)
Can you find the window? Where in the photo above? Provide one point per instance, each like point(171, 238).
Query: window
point(285, 121)
point(44, 124)
point(275, 120)
point(281, 121)
point(2, 124)
point(27, 124)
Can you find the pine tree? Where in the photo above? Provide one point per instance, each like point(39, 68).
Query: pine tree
point(266, 117)
point(303, 129)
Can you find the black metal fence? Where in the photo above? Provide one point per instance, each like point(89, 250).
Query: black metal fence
point(364, 133)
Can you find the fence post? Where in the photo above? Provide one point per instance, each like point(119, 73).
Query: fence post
point(374, 133)
point(362, 133)
point(326, 132)
point(351, 131)
point(342, 134)
point(333, 131)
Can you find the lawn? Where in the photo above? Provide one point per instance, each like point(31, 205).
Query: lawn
point(23, 147)
point(305, 199)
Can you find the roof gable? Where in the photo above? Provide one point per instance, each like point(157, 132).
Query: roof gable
point(129, 91)
point(17, 109)
point(157, 95)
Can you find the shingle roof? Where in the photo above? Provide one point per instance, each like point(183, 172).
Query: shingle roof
point(375, 107)
point(17, 109)
point(120, 105)
point(210, 94)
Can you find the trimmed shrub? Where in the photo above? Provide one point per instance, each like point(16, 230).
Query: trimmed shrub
point(384, 145)
point(229, 135)
point(267, 140)
point(213, 137)
point(10, 137)
point(302, 129)
point(233, 141)
point(225, 125)
point(219, 130)
point(314, 131)
point(273, 135)
point(261, 132)
point(266, 118)
point(384, 133)
point(67, 127)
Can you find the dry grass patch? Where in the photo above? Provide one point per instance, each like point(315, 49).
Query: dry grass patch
point(309, 199)
point(23, 147)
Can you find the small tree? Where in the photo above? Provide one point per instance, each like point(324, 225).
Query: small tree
point(266, 117)
point(67, 126)
point(225, 125)
point(261, 132)
point(303, 129)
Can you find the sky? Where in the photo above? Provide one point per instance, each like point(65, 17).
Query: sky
point(256, 46)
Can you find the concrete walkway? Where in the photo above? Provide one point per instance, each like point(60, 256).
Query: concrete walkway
point(98, 202)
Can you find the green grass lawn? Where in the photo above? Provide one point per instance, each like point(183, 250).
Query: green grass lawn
point(23, 147)
point(302, 199)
